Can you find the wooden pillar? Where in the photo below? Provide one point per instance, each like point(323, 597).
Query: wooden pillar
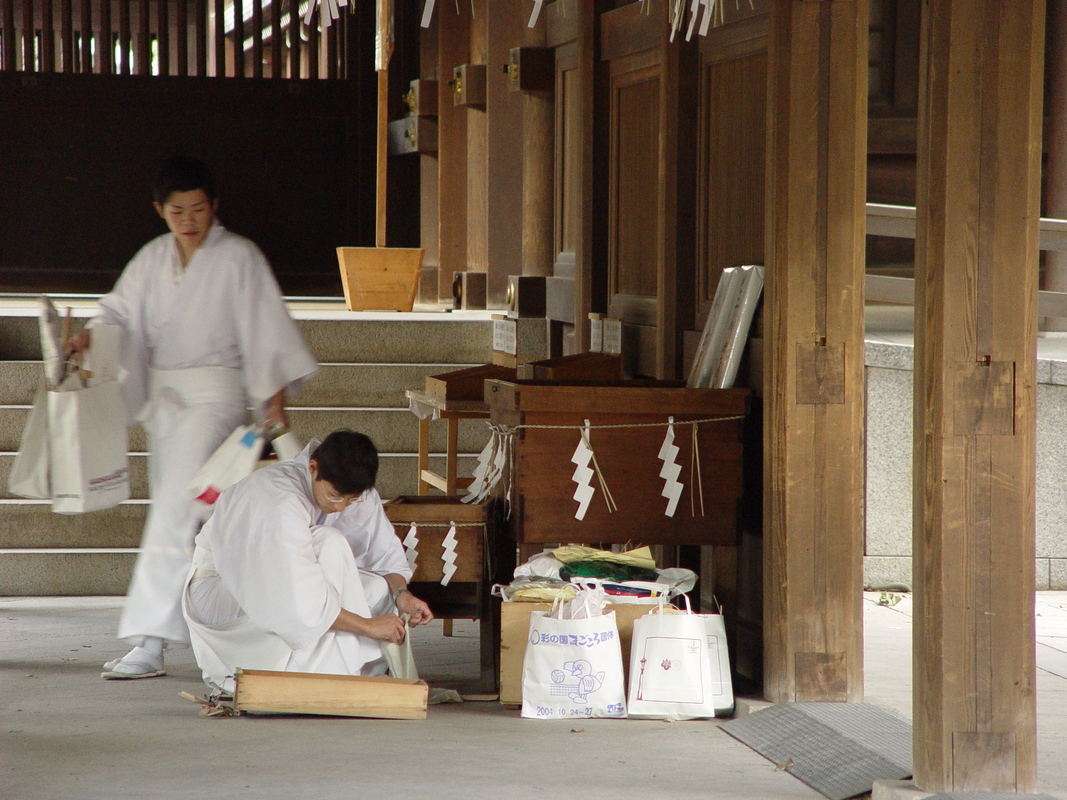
point(814, 431)
point(588, 55)
point(538, 167)
point(453, 29)
point(504, 150)
point(478, 148)
point(979, 173)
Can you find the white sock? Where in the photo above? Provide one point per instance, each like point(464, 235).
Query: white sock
point(149, 653)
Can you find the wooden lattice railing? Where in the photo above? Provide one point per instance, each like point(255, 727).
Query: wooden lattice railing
point(256, 38)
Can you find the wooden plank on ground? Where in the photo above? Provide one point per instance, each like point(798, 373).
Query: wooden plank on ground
point(267, 691)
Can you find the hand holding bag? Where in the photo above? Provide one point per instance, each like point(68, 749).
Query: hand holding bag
point(234, 459)
point(679, 666)
point(573, 667)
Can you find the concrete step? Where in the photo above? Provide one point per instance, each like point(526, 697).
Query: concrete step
point(46, 573)
point(368, 361)
point(332, 336)
point(397, 475)
point(336, 385)
point(394, 430)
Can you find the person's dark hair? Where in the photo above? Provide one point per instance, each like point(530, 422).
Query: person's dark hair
point(348, 461)
point(182, 174)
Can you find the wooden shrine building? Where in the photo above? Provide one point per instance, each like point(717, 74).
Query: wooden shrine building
point(583, 143)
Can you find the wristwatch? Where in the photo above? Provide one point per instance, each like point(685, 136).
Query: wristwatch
point(397, 594)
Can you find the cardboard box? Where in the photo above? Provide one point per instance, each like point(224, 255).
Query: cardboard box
point(515, 630)
point(269, 691)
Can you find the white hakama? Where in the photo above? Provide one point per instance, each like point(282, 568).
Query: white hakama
point(200, 344)
point(268, 581)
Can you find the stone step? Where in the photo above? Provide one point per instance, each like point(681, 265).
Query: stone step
point(332, 336)
point(65, 574)
point(336, 385)
point(397, 475)
point(394, 430)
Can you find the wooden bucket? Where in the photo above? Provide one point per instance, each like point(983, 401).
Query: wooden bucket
point(379, 278)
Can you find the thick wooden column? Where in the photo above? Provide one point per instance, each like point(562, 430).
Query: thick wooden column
point(814, 430)
point(979, 173)
point(453, 29)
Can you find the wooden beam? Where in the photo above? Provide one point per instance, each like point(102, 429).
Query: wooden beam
point(814, 419)
point(979, 175)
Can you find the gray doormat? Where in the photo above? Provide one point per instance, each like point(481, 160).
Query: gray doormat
point(838, 749)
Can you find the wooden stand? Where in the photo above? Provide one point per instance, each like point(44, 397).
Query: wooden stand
point(467, 594)
point(379, 278)
point(428, 408)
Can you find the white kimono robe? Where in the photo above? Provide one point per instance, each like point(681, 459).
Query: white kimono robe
point(199, 345)
point(271, 573)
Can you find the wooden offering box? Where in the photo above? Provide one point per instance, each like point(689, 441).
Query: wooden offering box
point(543, 508)
point(466, 384)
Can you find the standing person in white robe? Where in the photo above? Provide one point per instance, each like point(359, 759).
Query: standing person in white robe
point(299, 570)
point(205, 334)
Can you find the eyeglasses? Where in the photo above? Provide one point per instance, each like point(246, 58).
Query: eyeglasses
point(348, 501)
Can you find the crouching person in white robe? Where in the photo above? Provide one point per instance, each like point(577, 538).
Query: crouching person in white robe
point(299, 570)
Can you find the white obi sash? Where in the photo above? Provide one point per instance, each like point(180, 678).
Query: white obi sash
point(172, 390)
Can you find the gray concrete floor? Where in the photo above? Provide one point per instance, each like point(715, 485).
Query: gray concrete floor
point(64, 733)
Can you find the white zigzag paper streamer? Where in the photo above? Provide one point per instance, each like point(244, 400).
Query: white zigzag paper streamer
point(583, 474)
point(448, 544)
point(480, 487)
point(411, 543)
point(668, 454)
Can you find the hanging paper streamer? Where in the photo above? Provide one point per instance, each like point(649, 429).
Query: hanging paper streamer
point(668, 454)
point(479, 487)
point(709, 7)
point(583, 474)
point(695, 478)
point(449, 544)
point(535, 13)
point(328, 11)
point(694, 13)
point(427, 13)
point(677, 10)
point(411, 543)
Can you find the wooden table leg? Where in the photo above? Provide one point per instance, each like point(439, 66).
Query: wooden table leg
point(424, 453)
point(450, 455)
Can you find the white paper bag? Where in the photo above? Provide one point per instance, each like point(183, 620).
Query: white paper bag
point(679, 667)
point(89, 468)
point(573, 668)
point(234, 459)
point(29, 472)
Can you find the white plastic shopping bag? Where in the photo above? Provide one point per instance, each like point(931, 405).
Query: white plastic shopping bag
point(29, 472)
point(234, 459)
point(573, 667)
point(679, 666)
point(87, 437)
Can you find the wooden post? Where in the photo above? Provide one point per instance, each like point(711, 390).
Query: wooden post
point(453, 28)
point(814, 431)
point(538, 166)
point(504, 151)
point(478, 147)
point(384, 48)
point(979, 174)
